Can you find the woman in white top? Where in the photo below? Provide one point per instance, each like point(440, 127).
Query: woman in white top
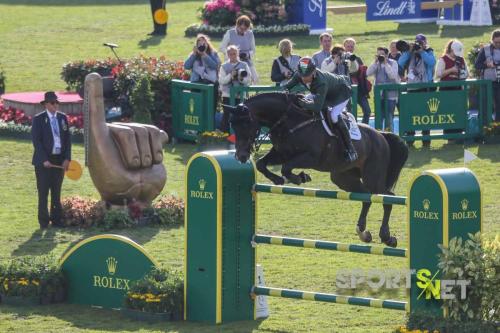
point(242, 37)
point(232, 73)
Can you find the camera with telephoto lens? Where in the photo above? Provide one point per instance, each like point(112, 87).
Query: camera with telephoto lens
point(462, 74)
point(242, 73)
point(348, 56)
point(417, 46)
point(380, 58)
point(202, 48)
point(243, 56)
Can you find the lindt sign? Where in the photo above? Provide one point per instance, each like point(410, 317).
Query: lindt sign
point(378, 10)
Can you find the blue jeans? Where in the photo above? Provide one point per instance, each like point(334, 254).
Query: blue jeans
point(365, 107)
point(388, 117)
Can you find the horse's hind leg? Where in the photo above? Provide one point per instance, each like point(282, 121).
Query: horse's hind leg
point(350, 181)
point(271, 158)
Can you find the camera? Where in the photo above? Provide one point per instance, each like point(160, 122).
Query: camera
point(417, 46)
point(202, 48)
point(243, 56)
point(381, 58)
point(242, 73)
point(348, 56)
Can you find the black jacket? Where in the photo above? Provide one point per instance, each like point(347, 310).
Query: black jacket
point(43, 141)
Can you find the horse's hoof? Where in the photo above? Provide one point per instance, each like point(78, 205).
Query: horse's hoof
point(278, 181)
point(305, 177)
point(392, 241)
point(364, 236)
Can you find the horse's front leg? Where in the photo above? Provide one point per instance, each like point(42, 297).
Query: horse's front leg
point(271, 158)
point(302, 161)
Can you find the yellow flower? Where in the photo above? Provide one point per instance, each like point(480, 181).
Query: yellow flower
point(35, 282)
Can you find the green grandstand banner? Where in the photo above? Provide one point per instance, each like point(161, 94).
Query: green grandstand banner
point(101, 269)
point(433, 110)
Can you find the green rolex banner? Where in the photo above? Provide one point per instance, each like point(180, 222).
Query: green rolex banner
point(101, 269)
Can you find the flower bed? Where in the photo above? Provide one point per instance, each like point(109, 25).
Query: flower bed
point(259, 31)
point(32, 280)
point(86, 212)
point(157, 296)
point(14, 123)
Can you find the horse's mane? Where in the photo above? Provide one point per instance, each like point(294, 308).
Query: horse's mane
point(268, 94)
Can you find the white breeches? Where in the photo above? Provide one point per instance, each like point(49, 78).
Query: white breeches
point(336, 110)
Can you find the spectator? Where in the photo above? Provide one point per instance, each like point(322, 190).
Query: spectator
point(450, 67)
point(233, 72)
point(204, 63)
point(338, 64)
point(420, 61)
point(285, 65)
point(488, 63)
point(242, 37)
point(385, 70)
point(325, 40)
point(359, 78)
point(394, 54)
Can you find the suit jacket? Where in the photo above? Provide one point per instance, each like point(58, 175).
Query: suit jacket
point(43, 141)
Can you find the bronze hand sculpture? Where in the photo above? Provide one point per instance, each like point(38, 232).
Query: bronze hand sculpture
point(124, 159)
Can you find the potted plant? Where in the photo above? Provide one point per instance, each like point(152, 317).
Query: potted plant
point(214, 140)
point(492, 133)
point(158, 296)
point(32, 280)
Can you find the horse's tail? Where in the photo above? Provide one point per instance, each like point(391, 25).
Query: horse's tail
point(399, 155)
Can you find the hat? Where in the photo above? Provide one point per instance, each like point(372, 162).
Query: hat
point(306, 66)
point(50, 96)
point(457, 48)
point(420, 38)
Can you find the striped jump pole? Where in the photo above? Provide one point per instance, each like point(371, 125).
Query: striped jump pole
point(326, 245)
point(331, 194)
point(330, 298)
point(221, 237)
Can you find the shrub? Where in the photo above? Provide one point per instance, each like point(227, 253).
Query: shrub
point(142, 101)
point(2, 81)
point(116, 219)
point(170, 210)
point(82, 212)
point(17, 116)
point(160, 291)
point(219, 12)
point(493, 129)
point(258, 31)
point(74, 72)
point(477, 261)
point(33, 276)
point(472, 56)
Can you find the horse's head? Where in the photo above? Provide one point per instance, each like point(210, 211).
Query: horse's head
point(246, 129)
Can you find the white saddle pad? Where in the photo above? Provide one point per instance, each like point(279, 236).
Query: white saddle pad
point(354, 131)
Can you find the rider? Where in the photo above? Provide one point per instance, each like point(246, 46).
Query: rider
point(329, 92)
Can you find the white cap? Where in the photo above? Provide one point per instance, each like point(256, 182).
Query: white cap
point(457, 48)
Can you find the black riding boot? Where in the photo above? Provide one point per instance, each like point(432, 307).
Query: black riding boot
point(350, 153)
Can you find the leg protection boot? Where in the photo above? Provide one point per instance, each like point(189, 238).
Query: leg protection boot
point(350, 153)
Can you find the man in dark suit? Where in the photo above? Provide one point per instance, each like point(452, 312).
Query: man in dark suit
point(52, 143)
point(160, 28)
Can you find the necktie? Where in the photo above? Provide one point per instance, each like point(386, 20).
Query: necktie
point(55, 127)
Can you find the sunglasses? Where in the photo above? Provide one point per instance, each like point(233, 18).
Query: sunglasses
point(53, 103)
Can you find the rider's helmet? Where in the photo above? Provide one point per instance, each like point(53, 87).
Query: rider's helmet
point(306, 66)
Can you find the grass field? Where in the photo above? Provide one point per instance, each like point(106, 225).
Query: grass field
point(38, 36)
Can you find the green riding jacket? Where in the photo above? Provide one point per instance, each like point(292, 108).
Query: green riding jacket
point(328, 89)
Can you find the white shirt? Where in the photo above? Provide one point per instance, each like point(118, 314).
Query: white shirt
point(56, 149)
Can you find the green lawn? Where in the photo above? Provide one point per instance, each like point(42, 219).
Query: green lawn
point(38, 36)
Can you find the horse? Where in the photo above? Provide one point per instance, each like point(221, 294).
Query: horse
point(300, 141)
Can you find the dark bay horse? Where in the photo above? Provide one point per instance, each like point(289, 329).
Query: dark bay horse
point(300, 141)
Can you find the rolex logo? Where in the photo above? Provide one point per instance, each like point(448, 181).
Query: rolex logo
point(427, 204)
point(202, 184)
point(191, 105)
point(465, 204)
point(111, 263)
point(433, 105)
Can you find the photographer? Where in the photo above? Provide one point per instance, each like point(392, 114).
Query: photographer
point(340, 62)
point(488, 63)
point(232, 73)
point(204, 63)
point(360, 78)
point(242, 37)
point(385, 70)
point(285, 65)
point(419, 58)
